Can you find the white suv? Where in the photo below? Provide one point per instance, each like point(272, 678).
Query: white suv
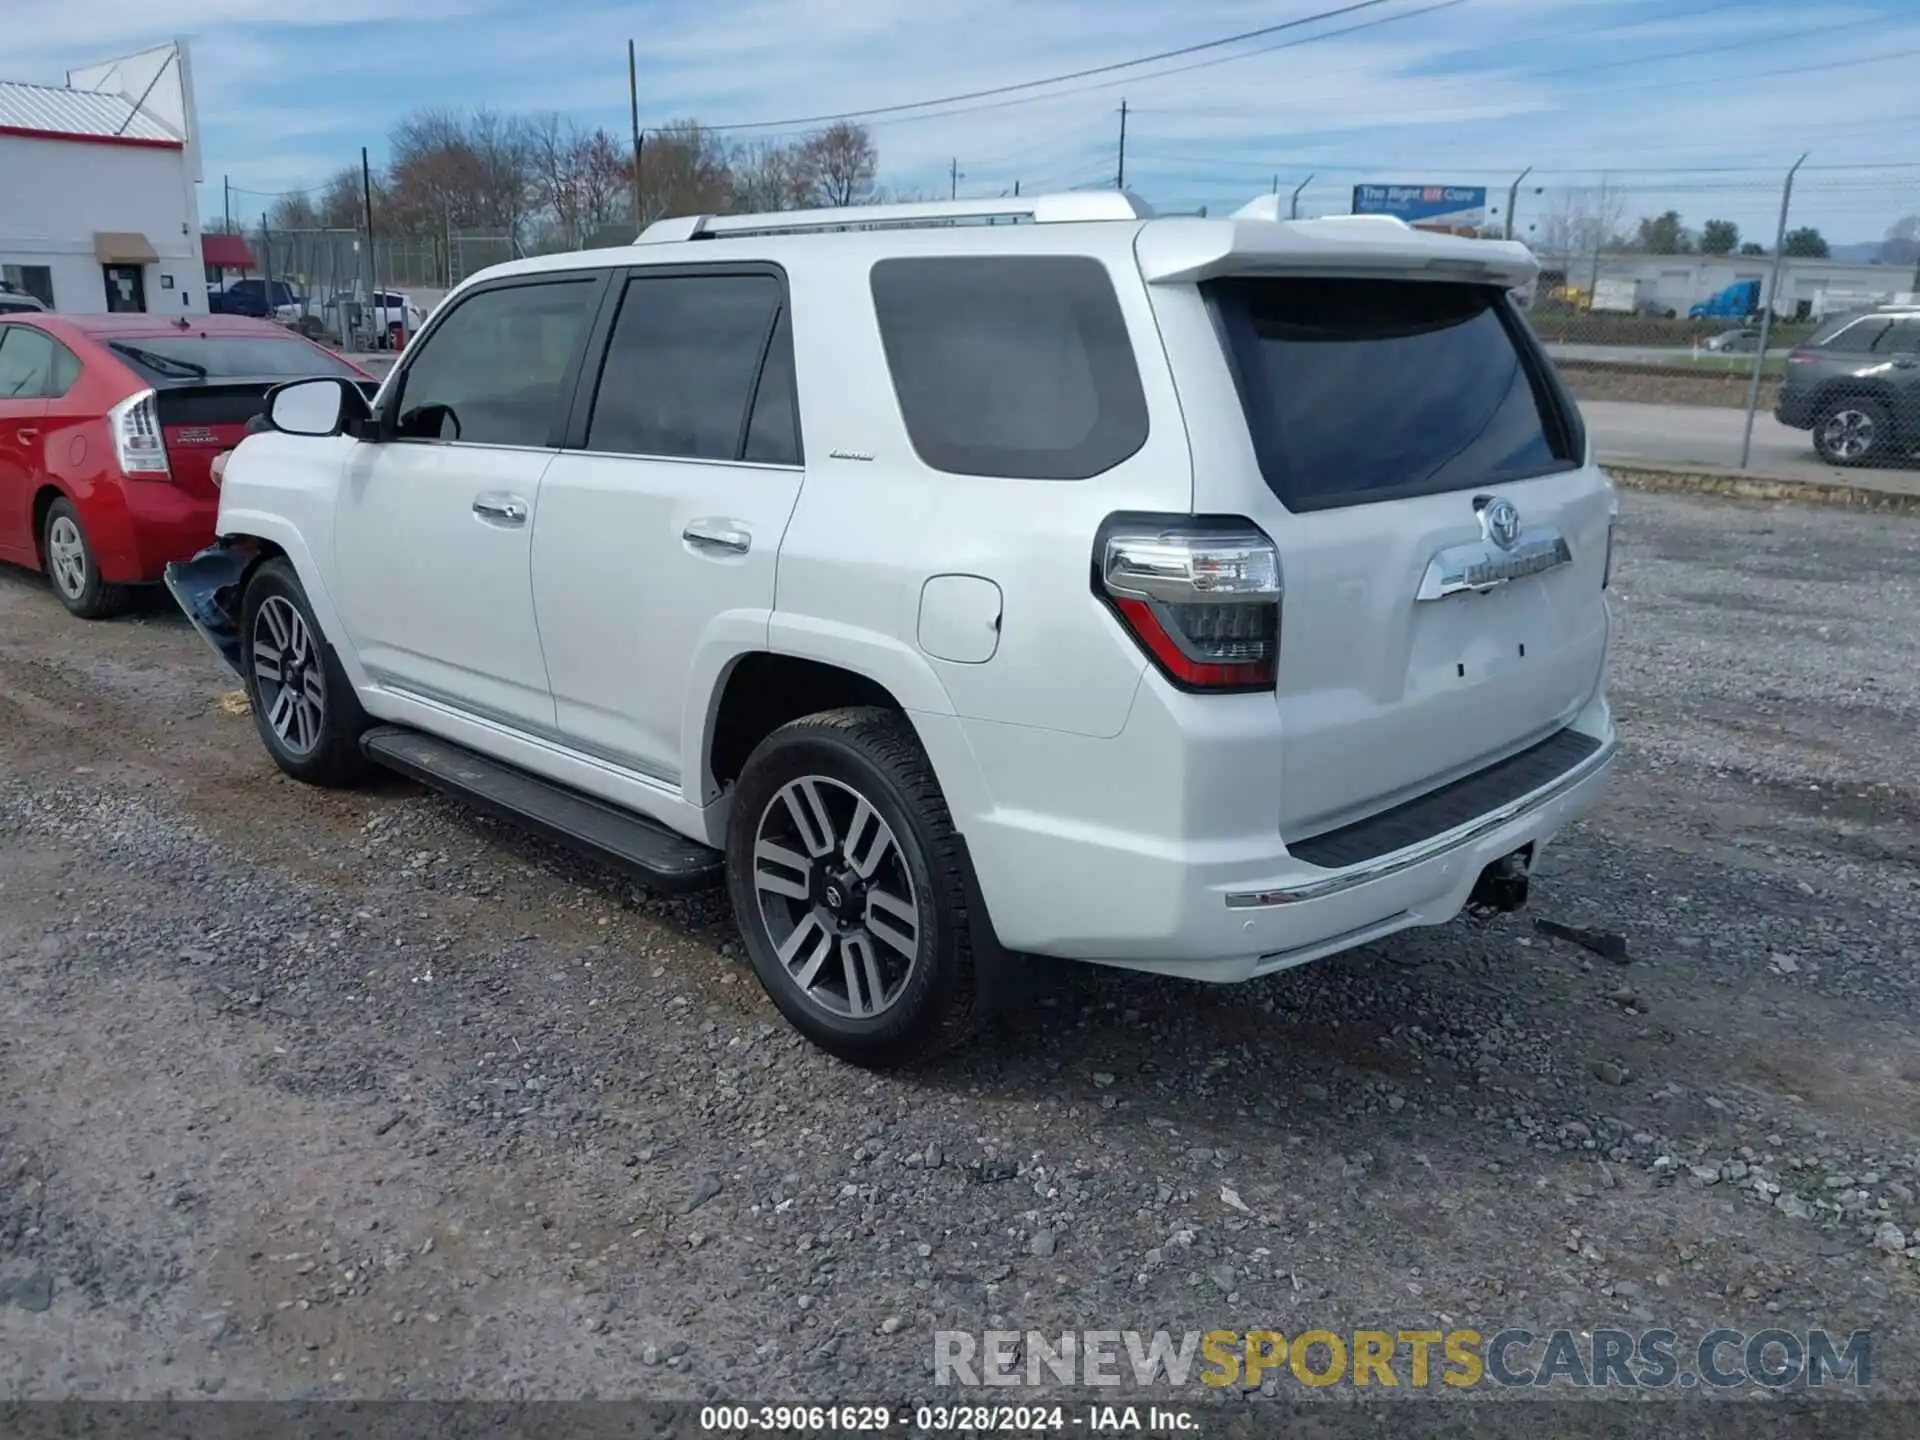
point(1200, 596)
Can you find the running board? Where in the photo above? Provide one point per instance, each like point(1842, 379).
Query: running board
point(663, 859)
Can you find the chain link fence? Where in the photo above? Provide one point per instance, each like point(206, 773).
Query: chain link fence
point(331, 275)
point(1748, 342)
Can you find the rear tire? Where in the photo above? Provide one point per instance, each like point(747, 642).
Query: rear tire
point(1853, 432)
point(303, 705)
point(845, 875)
point(72, 570)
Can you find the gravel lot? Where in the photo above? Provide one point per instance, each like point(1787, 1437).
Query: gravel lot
point(355, 1094)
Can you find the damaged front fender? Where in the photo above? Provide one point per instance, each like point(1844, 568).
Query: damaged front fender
point(207, 588)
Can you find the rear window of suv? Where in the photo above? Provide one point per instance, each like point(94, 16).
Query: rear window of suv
point(1017, 366)
point(1364, 390)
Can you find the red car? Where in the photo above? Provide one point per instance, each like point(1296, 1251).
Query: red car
point(109, 427)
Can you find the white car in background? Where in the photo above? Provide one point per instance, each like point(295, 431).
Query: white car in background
point(327, 318)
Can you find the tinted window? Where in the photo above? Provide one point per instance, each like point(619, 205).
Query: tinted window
point(773, 434)
point(34, 280)
point(1854, 335)
point(27, 363)
point(1900, 338)
point(682, 365)
point(1359, 390)
point(189, 356)
point(1016, 366)
point(16, 305)
point(491, 372)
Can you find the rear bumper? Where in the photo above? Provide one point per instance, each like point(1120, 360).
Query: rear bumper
point(1229, 911)
point(138, 526)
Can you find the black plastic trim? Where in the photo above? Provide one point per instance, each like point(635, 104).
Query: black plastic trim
point(1451, 806)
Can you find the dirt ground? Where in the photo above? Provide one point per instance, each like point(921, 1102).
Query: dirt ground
point(313, 1094)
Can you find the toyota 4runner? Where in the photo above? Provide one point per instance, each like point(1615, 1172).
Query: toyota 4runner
point(962, 581)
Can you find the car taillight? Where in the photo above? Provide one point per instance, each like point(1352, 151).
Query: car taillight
point(137, 442)
point(1200, 596)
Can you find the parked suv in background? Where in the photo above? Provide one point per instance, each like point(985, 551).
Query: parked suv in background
point(1855, 384)
point(1200, 596)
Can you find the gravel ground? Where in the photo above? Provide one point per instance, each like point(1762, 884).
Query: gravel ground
point(311, 1094)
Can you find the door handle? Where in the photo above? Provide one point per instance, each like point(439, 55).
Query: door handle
point(501, 509)
point(28, 434)
point(711, 535)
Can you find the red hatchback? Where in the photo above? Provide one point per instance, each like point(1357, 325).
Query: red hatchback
point(109, 427)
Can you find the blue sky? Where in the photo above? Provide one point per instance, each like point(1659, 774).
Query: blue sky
point(1668, 102)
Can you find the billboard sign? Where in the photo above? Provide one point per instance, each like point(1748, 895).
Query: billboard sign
point(1459, 208)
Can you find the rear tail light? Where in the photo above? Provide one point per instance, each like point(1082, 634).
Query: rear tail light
point(137, 442)
point(1200, 596)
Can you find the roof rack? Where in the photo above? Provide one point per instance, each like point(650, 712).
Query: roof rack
point(1034, 209)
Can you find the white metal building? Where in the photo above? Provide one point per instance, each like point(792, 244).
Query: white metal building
point(101, 210)
point(1807, 285)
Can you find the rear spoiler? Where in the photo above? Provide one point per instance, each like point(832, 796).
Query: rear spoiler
point(1254, 242)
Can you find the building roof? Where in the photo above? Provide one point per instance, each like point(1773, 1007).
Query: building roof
point(55, 113)
point(229, 252)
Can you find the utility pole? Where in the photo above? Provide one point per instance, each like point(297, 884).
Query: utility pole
point(633, 109)
point(1016, 189)
point(1293, 208)
point(1120, 178)
point(1513, 197)
point(953, 179)
point(1276, 185)
point(1766, 315)
point(226, 189)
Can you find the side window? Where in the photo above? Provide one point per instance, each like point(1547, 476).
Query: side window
point(491, 373)
point(66, 370)
point(1017, 366)
point(1901, 338)
point(773, 434)
point(683, 364)
point(1856, 338)
point(27, 362)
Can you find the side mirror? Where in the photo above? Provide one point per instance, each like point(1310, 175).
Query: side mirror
point(324, 406)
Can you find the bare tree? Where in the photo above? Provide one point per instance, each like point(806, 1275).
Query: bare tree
point(684, 171)
point(771, 176)
point(1585, 222)
point(843, 161)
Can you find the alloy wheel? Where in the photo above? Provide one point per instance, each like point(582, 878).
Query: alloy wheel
point(67, 557)
point(288, 675)
point(1848, 434)
point(837, 897)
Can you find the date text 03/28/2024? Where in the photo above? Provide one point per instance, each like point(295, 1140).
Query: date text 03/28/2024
point(944, 1419)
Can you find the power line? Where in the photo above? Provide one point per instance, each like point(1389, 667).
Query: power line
point(1483, 78)
point(1392, 19)
point(1265, 30)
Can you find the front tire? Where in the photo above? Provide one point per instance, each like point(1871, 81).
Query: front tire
point(845, 875)
point(71, 568)
point(303, 706)
point(1853, 432)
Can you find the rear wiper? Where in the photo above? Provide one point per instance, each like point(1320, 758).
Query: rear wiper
point(161, 362)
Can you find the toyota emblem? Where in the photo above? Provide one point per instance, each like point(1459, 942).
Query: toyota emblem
point(1501, 520)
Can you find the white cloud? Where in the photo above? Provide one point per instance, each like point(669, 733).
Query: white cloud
point(1468, 94)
